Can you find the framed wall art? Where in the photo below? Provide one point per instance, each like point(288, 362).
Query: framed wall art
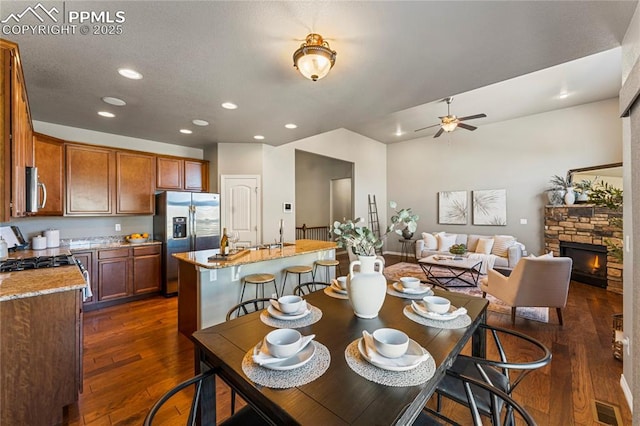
point(452, 207)
point(490, 207)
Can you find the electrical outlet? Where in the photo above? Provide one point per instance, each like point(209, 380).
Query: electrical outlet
point(118, 227)
point(523, 221)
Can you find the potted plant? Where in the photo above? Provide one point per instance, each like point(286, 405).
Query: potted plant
point(559, 188)
point(583, 188)
point(606, 195)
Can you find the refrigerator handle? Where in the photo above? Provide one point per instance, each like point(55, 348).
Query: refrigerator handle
point(192, 226)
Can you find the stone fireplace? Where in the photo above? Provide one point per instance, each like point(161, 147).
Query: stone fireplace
point(579, 232)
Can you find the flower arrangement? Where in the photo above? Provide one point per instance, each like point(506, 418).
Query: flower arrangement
point(363, 241)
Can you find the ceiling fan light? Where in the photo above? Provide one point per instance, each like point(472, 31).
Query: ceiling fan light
point(449, 127)
point(314, 59)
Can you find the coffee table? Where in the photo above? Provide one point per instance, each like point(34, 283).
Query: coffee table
point(455, 267)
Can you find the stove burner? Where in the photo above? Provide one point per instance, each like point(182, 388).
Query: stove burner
point(13, 265)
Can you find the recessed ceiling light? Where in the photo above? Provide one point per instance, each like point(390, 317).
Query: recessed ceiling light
point(399, 133)
point(114, 101)
point(106, 114)
point(129, 73)
point(563, 95)
point(290, 126)
point(186, 131)
point(229, 105)
point(258, 137)
point(200, 122)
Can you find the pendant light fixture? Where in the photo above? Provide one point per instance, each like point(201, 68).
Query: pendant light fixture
point(314, 59)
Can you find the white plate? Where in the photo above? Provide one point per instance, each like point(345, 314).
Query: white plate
point(420, 290)
point(337, 289)
point(414, 349)
point(424, 312)
point(296, 361)
point(294, 316)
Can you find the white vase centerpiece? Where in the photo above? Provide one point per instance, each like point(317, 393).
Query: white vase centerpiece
point(367, 287)
point(570, 196)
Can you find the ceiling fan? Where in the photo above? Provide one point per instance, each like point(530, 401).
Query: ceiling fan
point(449, 122)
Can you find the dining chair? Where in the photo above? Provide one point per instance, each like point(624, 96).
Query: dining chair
point(244, 417)
point(511, 356)
point(505, 410)
point(246, 307)
point(306, 288)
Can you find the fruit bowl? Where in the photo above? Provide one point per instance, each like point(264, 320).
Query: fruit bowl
point(137, 238)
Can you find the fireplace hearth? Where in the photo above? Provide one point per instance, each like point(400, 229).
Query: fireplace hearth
point(589, 262)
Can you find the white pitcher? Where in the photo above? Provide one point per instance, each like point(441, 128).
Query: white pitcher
point(366, 288)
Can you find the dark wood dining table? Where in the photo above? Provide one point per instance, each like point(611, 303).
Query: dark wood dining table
point(340, 396)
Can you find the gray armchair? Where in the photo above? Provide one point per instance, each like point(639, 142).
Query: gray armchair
point(539, 282)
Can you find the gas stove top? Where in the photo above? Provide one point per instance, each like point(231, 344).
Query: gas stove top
point(12, 265)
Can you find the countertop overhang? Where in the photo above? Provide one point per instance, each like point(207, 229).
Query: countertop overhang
point(36, 282)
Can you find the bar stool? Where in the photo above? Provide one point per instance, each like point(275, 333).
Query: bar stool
point(259, 280)
point(298, 270)
point(325, 263)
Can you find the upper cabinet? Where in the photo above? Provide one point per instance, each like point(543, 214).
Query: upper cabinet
point(90, 175)
point(135, 183)
point(49, 159)
point(179, 174)
point(17, 134)
point(196, 175)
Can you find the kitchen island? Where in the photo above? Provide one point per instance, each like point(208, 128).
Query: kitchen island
point(209, 288)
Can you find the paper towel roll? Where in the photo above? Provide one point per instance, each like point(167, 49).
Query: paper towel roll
point(53, 238)
point(39, 243)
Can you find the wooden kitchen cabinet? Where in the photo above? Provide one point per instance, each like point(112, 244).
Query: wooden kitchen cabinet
point(135, 174)
point(196, 175)
point(114, 274)
point(147, 264)
point(49, 159)
point(179, 174)
point(90, 179)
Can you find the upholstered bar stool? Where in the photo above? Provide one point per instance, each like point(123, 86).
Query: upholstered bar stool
point(298, 270)
point(259, 280)
point(326, 264)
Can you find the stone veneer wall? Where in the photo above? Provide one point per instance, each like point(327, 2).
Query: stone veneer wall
point(585, 224)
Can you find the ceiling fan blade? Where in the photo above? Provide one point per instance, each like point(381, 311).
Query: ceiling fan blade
point(466, 126)
point(428, 127)
point(471, 117)
point(439, 133)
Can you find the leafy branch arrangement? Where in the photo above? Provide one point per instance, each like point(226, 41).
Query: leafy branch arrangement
point(606, 195)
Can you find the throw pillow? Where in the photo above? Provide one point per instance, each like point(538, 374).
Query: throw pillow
point(430, 241)
point(446, 241)
point(501, 244)
point(542, 256)
point(484, 245)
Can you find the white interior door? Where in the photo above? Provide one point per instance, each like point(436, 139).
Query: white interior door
point(240, 198)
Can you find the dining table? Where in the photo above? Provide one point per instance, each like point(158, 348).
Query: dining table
point(339, 396)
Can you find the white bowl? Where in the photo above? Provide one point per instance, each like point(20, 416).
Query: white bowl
point(290, 304)
point(137, 240)
point(410, 282)
point(283, 342)
point(343, 282)
point(390, 342)
point(437, 304)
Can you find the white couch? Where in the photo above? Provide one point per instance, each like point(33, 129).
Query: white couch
point(505, 254)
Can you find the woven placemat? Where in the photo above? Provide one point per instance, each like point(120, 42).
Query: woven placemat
point(459, 322)
point(393, 292)
point(331, 293)
point(416, 376)
point(283, 379)
point(313, 317)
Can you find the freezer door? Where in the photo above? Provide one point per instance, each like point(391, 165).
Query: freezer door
point(205, 221)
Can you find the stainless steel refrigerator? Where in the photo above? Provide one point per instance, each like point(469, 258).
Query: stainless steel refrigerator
point(184, 221)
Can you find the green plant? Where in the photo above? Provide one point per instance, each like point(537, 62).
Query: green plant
point(558, 182)
point(362, 240)
point(585, 185)
point(458, 249)
point(606, 195)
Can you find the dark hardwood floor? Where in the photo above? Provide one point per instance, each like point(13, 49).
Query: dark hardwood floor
point(133, 354)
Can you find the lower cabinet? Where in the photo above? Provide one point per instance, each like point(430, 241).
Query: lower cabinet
point(147, 265)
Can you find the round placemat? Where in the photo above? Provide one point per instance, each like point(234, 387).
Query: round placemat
point(393, 292)
point(460, 322)
point(417, 376)
point(313, 317)
point(331, 293)
point(283, 379)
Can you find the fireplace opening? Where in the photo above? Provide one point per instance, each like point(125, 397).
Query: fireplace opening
point(589, 262)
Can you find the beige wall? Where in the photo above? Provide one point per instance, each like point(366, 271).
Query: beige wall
point(518, 155)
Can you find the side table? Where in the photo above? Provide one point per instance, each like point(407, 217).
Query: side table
point(407, 249)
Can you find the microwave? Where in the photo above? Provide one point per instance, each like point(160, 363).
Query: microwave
point(32, 186)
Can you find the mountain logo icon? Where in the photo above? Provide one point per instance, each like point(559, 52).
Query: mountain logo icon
point(39, 11)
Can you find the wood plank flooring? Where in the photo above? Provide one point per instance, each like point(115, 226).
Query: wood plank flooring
point(133, 353)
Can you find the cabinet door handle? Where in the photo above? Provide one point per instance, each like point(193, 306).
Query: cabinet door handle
point(44, 194)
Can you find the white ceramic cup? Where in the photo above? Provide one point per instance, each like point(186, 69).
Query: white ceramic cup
point(283, 342)
point(390, 342)
point(437, 304)
point(289, 304)
point(343, 282)
point(410, 282)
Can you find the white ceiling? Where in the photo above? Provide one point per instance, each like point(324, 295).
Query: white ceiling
point(395, 62)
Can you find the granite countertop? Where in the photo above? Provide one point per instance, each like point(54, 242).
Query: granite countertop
point(107, 245)
point(36, 282)
point(201, 257)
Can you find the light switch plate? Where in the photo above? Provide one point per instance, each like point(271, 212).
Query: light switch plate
point(523, 221)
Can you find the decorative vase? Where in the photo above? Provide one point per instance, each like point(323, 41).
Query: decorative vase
point(406, 234)
point(583, 197)
point(367, 288)
point(569, 197)
point(556, 196)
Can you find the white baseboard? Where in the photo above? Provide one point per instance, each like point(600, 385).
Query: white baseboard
point(627, 392)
